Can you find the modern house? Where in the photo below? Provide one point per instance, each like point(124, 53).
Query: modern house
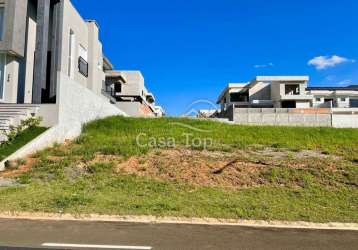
point(286, 92)
point(52, 66)
point(335, 97)
point(129, 93)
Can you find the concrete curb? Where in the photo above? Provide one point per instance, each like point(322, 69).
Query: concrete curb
point(181, 220)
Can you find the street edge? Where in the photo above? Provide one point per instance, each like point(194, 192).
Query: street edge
point(180, 220)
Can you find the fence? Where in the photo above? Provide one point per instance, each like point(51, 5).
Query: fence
point(313, 117)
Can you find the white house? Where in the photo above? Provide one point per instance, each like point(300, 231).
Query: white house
point(286, 92)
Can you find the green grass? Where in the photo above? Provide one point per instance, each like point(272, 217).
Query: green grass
point(21, 140)
point(117, 135)
point(62, 186)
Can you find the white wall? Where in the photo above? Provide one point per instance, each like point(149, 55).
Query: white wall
point(73, 21)
point(96, 76)
point(30, 53)
point(77, 105)
point(49, 114)
point(303, 104)
point(344, 121)
point(87, 36)
point(11, 79)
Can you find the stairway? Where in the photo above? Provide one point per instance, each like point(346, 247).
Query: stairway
point(13, 114)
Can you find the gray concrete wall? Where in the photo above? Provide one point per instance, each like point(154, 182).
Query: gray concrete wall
point(337, 118)
point(345, 120)
point(261, 91)
point(130, 108)
point(275, 92)
point(136, 109)
point(280, 117)
point(134, 85)
point(13, 38)
point(78, 104)
point(49, 114)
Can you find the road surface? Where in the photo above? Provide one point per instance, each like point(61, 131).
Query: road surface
point(22, 234)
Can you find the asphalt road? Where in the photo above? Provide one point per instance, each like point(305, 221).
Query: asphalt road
point(20, 234)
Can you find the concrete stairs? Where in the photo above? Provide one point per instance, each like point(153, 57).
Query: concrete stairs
point(11, 115)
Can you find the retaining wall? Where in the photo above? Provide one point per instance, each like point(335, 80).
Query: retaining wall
point(77, 105)
point(282, 117)
point(313, 117)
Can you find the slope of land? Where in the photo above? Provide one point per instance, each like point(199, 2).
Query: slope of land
point(192, 168)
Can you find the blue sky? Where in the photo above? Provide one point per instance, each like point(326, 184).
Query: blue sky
point(189, 50)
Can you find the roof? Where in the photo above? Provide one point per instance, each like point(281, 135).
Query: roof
point(107, 65)
point(116, 74)
point(92, 21)
point(281, 78)
point(231, 86)
point(333, 88)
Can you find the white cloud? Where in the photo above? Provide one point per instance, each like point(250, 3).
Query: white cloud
point(345, 82)
point(269, 65)
point(324, 62)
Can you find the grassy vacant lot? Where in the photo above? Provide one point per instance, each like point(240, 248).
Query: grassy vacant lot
point(22, 139)
point(274, 173)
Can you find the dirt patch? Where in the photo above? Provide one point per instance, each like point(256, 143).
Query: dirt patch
point(22, 168)
point(206, 168)
point(250, 167)
point(101, 158)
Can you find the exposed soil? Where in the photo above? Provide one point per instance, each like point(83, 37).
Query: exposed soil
point(237, 169)
point(20, 169)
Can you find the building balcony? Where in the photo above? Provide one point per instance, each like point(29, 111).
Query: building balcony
point(296, 97)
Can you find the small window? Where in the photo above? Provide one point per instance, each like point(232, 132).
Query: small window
point(118, 88)
point(292, 89)
point(318, 99)
point(83, 66)
point(343, 99)
point(2, 13)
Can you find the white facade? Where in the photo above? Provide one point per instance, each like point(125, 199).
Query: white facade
point(286, 92)
point(129, 92)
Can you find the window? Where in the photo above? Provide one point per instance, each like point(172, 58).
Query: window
point(292, 89)
point(83, 66)
point(118, 88)
point(343, 99)
point(239, 97)
point(71, 53)
point(82, 60)
point(2, 13)
point(318, 99)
